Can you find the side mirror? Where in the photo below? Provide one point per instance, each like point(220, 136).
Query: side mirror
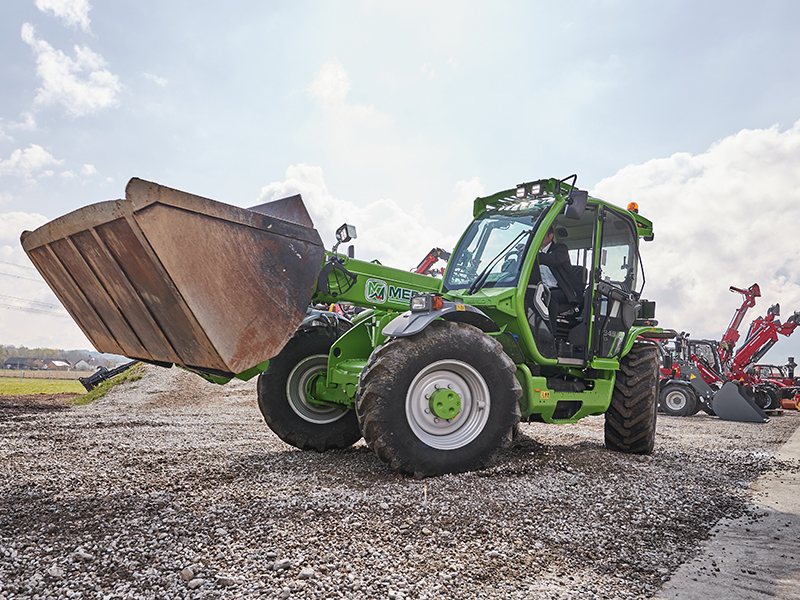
point(345, 233)
point(576, 204)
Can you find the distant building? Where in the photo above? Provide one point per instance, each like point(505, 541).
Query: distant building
point(57, 364)
point(17, 363)
point(82, 365)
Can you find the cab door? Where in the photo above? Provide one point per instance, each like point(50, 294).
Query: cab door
point(616, 298)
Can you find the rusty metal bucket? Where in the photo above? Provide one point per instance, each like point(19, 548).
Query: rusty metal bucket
point(165, 276)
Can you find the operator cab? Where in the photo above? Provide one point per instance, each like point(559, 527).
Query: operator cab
point(500, 250)
point(569, 340)
point(603, 254)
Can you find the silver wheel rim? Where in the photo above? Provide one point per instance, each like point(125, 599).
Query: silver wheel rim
point(448, 434)
point(675, 400)
point(297, 384)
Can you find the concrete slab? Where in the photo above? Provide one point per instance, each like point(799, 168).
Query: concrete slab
point(754, 557)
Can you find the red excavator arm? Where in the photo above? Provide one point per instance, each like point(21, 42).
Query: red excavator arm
point(424, 268)
point(763, 334)
point(728, 341)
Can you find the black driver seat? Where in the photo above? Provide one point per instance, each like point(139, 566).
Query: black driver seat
point(574, 309)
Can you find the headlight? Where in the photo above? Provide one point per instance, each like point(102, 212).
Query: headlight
point(425, 303)
point(420, 303)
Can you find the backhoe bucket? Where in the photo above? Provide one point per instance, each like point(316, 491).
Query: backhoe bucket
point(169, 277)
point(734, 403)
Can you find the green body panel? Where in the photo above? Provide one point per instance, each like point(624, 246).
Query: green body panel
point(349, 355)
point(540, 402)
point(377, 286)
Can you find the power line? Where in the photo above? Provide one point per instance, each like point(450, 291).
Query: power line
point(21, 277)
point(34, 310)
point(47, 304)
point(17, 265)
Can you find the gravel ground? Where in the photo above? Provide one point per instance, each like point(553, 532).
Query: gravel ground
point(170, 487)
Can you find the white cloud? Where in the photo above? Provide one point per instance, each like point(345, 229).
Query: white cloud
point(29, 164)
point(27, 123)
point(11, 226)
point(73, 13)
point(88, 170)
point(386, 231)
point(359, 136)
point(331, 84)
point(723, 218)
point(466, 192)
point(82, 85)
point(159, 81)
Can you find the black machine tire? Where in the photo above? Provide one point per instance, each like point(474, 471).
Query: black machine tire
point(766, 397)
point(282, 396)
point(393, 398)
point(630, 425)
point(678, 400)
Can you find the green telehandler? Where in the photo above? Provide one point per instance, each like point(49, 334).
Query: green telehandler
point(434, 374)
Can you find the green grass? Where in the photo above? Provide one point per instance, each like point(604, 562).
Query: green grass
point(14, 387)
point(135, 373)
point(10, 387)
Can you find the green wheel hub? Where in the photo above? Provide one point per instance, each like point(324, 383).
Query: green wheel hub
point(445, 403)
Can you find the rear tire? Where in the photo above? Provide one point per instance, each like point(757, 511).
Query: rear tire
point(678, 400)
point(395, 405)
point(283, 396)
point(767, 397)
point(631, 418)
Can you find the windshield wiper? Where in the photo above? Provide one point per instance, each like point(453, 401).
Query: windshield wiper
point(481, 279)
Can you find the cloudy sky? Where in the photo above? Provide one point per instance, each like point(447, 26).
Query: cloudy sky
point(393, 116)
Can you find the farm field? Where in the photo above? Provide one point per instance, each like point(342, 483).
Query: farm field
point(28, 386)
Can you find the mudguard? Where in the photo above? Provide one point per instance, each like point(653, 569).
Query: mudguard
point(410, 323)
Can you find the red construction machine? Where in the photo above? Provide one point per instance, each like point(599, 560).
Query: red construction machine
point(709, 375)
point(783, 380)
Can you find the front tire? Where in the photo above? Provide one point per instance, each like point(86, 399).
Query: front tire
point(283, 396)
point(442, 401)
point(678, 400)
point(630, 425)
